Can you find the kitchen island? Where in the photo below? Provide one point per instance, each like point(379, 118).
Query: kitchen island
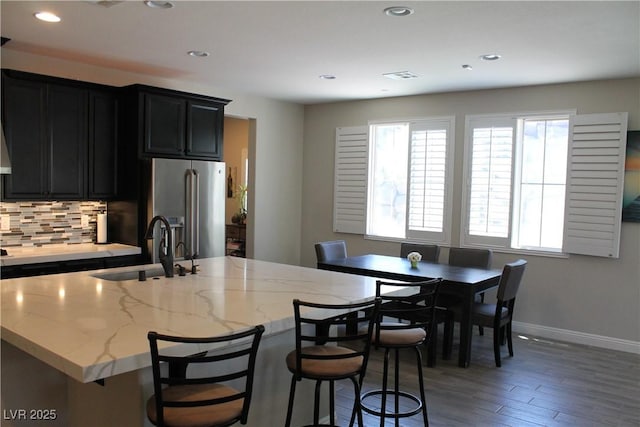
point(76, 343)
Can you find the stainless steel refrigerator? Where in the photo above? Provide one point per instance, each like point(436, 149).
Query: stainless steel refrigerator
point(191, 195)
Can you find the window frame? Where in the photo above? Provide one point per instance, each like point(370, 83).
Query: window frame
point(503, 244)
point(596, 136)
point(416, 124)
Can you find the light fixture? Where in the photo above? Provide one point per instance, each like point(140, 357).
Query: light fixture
point(104, 3)
point(467, 67)
point(47, 16)
point(400, 75)
point(198, 53)
point(398, 11)
point(327, 77)
point(159, 4)
point(490, 57)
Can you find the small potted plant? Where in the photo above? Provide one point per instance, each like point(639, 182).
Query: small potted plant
point(240, 217)
point(414, 258)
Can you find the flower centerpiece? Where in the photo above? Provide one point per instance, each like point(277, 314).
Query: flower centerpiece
point(414, 258)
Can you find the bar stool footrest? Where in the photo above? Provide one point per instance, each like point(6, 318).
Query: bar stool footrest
point(402, 394)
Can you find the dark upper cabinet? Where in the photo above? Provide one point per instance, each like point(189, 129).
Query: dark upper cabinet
point(66, 142)
point(205, 121)
point(73, 140)
point(46, 139)
point(103, 142)
point(24, 125)
point(61, 136)
point(177, 124)
point(164, 125)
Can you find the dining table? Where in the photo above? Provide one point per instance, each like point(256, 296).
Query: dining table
point(461, 282)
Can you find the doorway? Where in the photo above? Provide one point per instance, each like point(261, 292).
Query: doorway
point(236, 157)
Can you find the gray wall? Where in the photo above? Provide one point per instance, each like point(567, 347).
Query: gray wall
point(579, 298)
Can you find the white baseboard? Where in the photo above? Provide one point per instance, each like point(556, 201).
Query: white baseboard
point(577, 337)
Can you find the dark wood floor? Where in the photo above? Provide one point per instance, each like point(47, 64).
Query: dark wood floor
point(546, 383)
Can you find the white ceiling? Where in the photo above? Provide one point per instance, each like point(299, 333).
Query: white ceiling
point(279, 49)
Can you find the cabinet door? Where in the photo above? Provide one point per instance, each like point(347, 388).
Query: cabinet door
point(204, 129)
point(103, 142)
point(164, 125)
point(68, 142)
point(24, 124)
point(28, 270)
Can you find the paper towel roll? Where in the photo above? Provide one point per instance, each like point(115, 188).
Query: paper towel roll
point(102, 228)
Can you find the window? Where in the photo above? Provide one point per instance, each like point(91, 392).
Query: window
point(409, 180)
point(541, 179)
point(546, 183)
point(516, 177)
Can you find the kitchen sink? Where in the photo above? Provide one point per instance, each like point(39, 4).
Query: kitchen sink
point(129, 275)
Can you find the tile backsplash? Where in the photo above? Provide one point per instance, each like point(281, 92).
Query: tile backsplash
point(44, 223)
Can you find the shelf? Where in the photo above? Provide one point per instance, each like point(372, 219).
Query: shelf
point(236, 235)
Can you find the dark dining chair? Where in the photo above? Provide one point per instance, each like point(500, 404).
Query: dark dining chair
point(470, 257)
point(415, 302)
point(330, 346)
point(331, 250)
point(429, 253)
point(202, 399)
point(499, 316)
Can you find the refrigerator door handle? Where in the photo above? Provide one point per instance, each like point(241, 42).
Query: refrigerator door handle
point(196, 214)
point(189, 211)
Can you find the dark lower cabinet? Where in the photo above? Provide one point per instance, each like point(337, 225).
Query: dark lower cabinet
point(40, 269)
point(82, 265)
point(122, 261)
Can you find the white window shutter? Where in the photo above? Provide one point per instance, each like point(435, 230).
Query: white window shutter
point(595, 181)
point(350, 180)
point(430, 179)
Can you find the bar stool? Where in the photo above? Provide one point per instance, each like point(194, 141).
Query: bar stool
point(415, 302)
point(338, 350)
point(202, 399)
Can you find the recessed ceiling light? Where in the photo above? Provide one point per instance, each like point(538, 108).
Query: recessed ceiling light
point(327, 76)
point(104, 3)
point(198, 53)
point(400, 75)
point(490, 57)
point(467, 67)
point(398, 11)
point(47, 16)
point(159, 4)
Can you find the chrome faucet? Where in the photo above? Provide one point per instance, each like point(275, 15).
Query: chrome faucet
point(166, 259)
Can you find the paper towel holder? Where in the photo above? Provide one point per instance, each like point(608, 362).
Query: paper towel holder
point(101, 229)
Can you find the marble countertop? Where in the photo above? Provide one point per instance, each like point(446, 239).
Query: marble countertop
point(91, 328)
point(52, 253)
